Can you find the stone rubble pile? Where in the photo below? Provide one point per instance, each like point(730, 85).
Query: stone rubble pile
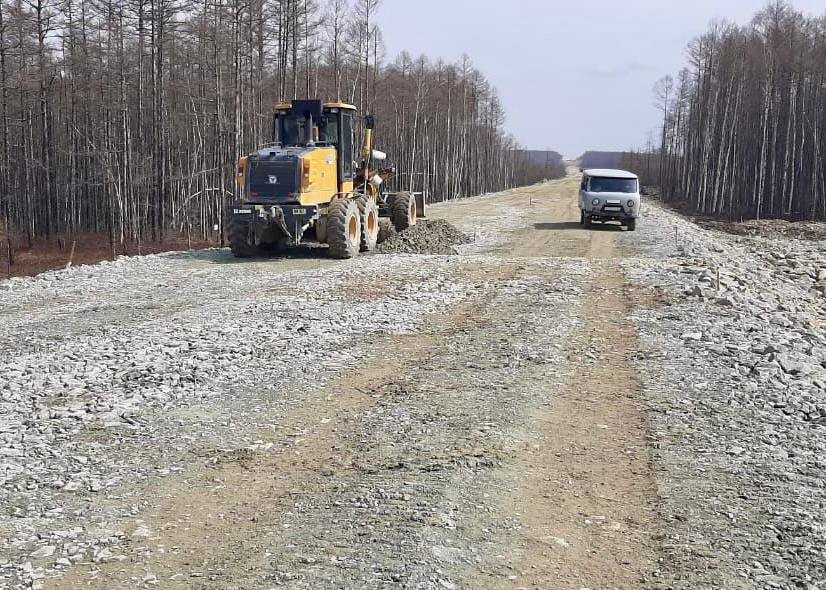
point(735, 366)
point(486, 231)
point(435, 236)
point(771, 228)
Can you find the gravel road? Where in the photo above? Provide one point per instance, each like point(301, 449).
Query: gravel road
point(546, 407)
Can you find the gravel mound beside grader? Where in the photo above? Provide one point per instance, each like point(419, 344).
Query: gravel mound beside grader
point(307, 186)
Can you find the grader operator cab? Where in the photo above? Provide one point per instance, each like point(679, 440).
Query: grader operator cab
point(307, 186)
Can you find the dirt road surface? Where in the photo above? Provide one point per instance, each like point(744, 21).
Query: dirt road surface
point(476, 420)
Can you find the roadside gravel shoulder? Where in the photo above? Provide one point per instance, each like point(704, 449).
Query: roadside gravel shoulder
point(733, 364)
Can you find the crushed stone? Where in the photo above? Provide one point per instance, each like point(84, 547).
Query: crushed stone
point(734, 373)
point(433, 236)
point(770, 228)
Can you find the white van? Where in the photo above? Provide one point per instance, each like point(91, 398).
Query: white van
point(609, 195)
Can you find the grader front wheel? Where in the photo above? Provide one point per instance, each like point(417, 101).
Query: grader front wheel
point(343, 228)
point(369, 213)
point(403, 210)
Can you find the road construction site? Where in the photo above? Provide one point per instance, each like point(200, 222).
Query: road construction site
point(532, 404)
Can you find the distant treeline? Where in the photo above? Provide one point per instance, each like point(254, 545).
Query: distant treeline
point(744, 125)
point(537, 165)
point(128, 117)
point(601, 159)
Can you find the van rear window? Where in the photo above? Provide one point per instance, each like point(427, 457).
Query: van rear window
point(601, 184)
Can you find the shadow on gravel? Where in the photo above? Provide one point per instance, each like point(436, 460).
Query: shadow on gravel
point(576, 225)
point(224, 256)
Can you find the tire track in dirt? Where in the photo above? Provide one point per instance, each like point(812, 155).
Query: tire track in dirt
point(583, 487)
point(582, 490)
point(212, 526)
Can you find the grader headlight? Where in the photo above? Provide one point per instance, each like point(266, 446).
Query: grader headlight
point(242, 171)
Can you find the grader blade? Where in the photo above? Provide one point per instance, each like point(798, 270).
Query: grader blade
point(421, 205)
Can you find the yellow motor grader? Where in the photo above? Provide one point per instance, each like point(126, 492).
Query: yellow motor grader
point(307, 186)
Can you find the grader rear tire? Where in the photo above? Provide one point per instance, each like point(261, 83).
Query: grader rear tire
point(403, 211)
point(343, 228)
point(238, 232)
point(369, 214)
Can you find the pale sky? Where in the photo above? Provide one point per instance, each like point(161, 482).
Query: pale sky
point(572, 75)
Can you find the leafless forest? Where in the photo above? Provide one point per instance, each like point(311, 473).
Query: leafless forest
point(744, 125)
point(126, 117)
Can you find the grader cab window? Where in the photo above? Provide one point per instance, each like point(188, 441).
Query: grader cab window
point(346, 149)
point(291, 130)
point(328, 130)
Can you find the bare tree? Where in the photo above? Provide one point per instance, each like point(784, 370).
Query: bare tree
point(743, 126)
point(138, 109)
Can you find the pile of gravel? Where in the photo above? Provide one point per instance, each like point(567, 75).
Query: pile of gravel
point(435, 236)
point(771, 228)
